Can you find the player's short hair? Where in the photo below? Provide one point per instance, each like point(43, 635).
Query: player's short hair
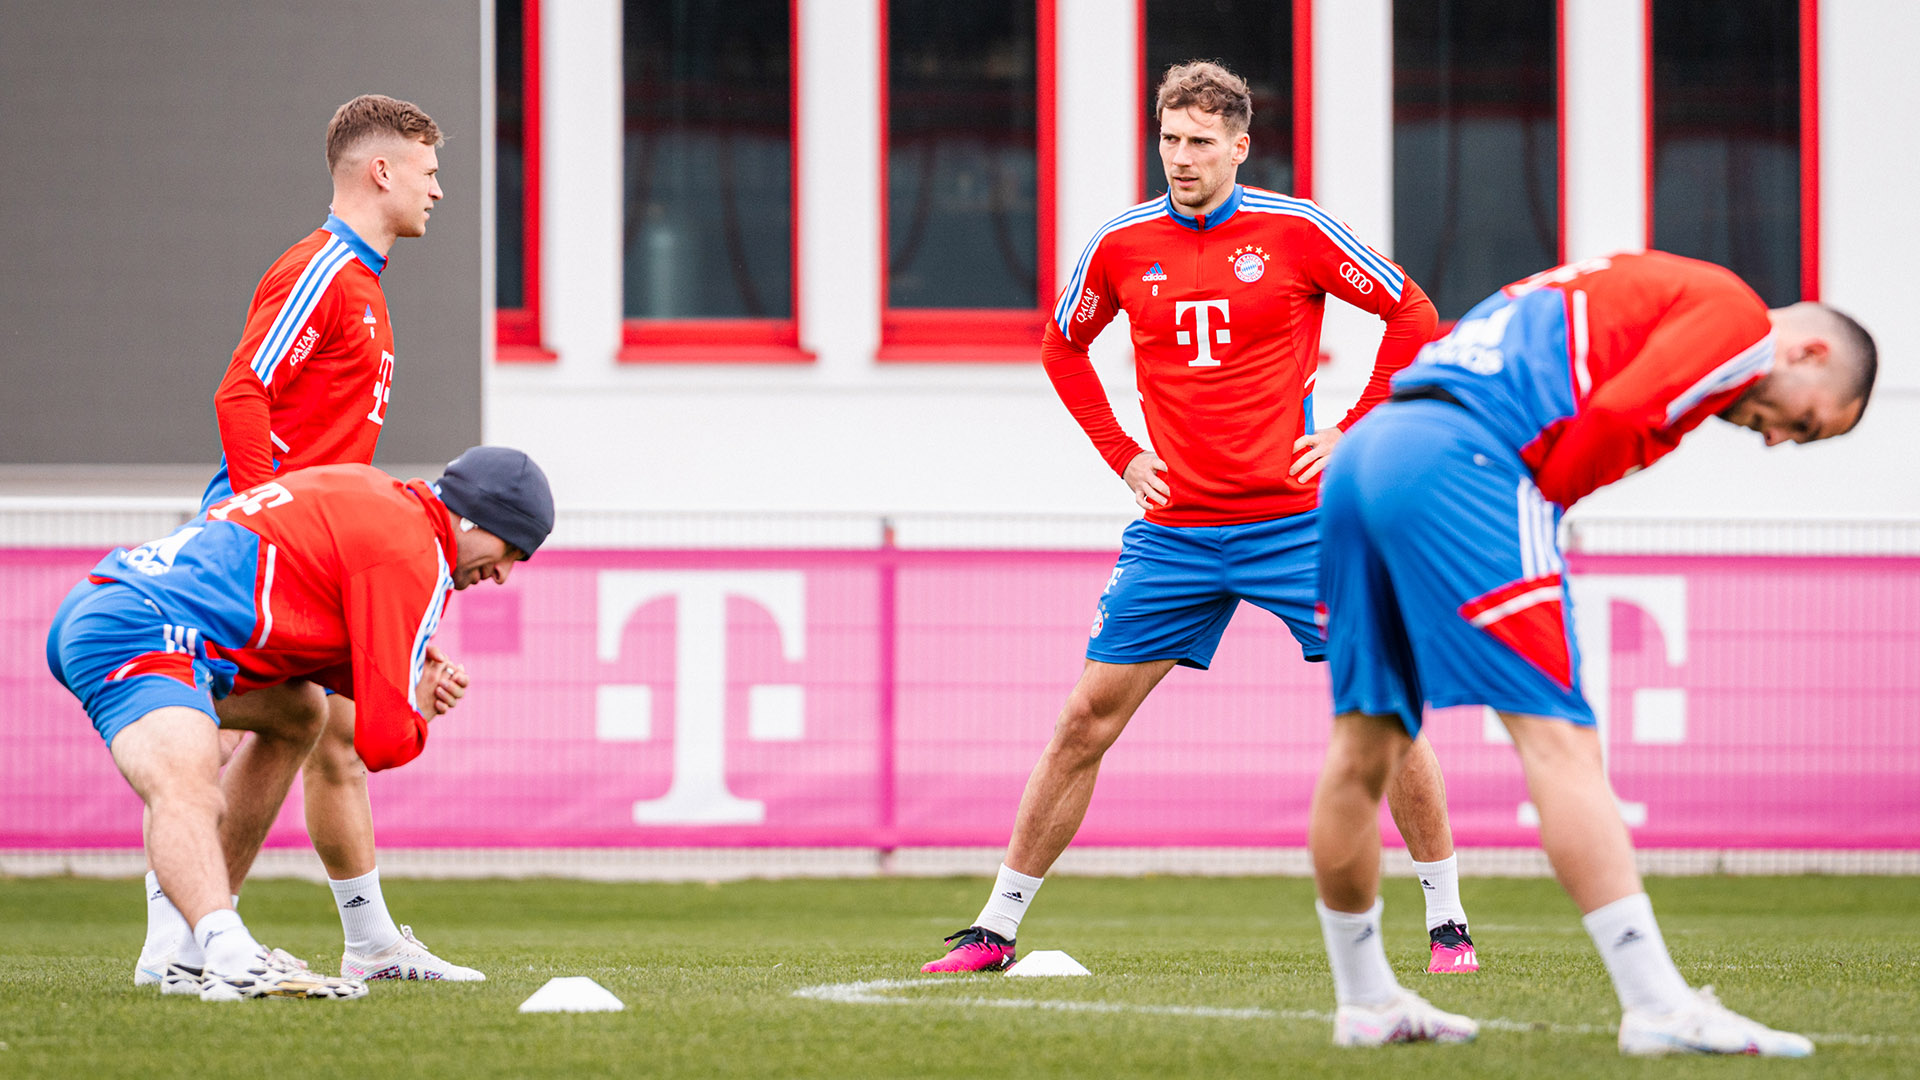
point(376, 114)
point(1209, 87)
point(1865, 355)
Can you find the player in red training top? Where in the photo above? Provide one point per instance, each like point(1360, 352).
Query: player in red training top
point(338, 574)
point(308, 385)
point(1443, 583)
point(1224, 287)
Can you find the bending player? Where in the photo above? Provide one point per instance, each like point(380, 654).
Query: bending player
point(338, 573)
point(1443, 582)
point(1224, 287)
point(308, 385)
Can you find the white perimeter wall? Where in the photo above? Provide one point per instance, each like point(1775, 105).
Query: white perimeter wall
point(847, 434)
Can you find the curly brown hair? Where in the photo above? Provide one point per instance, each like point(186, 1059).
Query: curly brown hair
point(377, 114)
point(1209, 87)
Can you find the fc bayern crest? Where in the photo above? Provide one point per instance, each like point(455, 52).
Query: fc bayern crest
point(1249, 264)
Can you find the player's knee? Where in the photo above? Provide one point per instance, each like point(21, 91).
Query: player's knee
point(334, 756)
point(197, 798)
point(304, 724)
point(1364, 754)
point(1084, 730)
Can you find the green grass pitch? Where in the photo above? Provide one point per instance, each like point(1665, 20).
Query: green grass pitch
point(1192, 977)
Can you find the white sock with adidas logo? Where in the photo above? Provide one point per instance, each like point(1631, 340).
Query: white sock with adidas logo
point(1440, 882)
point(363, 913)
point(1361, 974)
point(225, 941)
point(167, 931)
point(1636, 955)
point(1012, 892)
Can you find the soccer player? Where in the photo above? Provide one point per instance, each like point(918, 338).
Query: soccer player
point(308, 385)
point(337, 574)
point(1442, 577)
point(1224, 287)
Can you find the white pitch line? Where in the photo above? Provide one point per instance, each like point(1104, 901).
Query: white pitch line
point(873, 992)
point(884, 992)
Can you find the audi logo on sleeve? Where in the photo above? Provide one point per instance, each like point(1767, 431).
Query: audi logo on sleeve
point(1356, 277)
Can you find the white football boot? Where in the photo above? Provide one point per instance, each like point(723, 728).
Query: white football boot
point(1407, 1017)
point(178, 978)
point(404, 959)
point(272, 974)
point(151, 968)
point(1705, 1027)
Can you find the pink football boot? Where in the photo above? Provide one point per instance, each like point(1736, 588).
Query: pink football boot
point(1452, 950)
point(975, 949)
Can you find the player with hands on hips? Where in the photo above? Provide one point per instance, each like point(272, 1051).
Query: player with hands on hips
point(1224, 287)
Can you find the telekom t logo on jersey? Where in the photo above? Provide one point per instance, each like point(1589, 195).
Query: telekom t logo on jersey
point(698, 794)
point(382, 389)
point(1203, 325)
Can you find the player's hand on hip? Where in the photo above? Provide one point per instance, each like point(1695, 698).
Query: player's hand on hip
point(1313, 451)
point(1150, 491)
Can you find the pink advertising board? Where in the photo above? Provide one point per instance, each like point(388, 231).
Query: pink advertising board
point(898, 698)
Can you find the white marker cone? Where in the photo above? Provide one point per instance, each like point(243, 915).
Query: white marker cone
point(1048, 962)
point(572, 993)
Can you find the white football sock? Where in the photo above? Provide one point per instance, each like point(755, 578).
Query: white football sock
point(1440, 882)
point(225, 941)
point(1012, 892)
point(363, 913)
point(1636, 956)
point(167, 929)
point(1361, 974)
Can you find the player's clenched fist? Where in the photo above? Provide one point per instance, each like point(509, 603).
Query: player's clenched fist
point(442, 684)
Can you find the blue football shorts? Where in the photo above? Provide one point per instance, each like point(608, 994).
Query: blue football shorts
point(1441, 572)
point(120, 656)
point(1175, 589)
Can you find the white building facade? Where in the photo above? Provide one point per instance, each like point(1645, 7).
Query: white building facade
point(836, 417)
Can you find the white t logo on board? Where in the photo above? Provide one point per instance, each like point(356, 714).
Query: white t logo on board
point(698, 793)
point(1202, 324)
point(1659, 713)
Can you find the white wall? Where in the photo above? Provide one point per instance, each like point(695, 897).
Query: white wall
point(847, 434)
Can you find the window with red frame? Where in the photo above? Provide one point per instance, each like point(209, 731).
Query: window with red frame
point(516, 135)
point(968, 242)
point(1476, 145)
point(1725, 140)
point(1256, 40)
point(709, 220)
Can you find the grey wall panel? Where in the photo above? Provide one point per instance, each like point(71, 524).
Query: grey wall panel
point(159, 156)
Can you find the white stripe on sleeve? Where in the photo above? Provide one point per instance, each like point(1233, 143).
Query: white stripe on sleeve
point(1750, 362)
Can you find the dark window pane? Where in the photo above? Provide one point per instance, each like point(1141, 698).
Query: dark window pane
point(1726, 137)
point(509, 137)
point(1475, 180)
point(962, 192)
point(709, 160)
point(1254, 39)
